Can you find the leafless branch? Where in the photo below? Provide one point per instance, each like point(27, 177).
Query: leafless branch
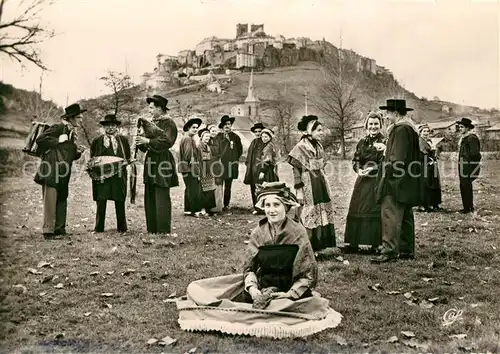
point(22, 34)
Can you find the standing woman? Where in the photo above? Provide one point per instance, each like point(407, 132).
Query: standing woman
point(431, 185)
point(268, 159)
point(189, 166)
point(216, 168)
point(363, 225)
point(206, 177)
point(310, 183)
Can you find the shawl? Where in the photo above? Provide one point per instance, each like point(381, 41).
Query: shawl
point(306, 156)
point(291, 233)
point(269, 154)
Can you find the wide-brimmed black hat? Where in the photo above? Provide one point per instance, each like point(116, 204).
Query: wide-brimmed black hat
point(396, 105)
point(159, 100)
point(191, 122)
point(110, 119)
point(466, 122)
point(226, 119)
point(73, 110)
point(304, 121)
point(258, 125)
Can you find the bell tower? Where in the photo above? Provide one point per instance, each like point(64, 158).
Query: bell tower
point(252, 103)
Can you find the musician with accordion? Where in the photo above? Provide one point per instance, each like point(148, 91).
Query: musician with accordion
point(57, 149)
point(109, 154)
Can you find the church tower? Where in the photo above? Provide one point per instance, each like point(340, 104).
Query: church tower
point(252, 103)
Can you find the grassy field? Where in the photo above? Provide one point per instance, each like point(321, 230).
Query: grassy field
point(109, 292)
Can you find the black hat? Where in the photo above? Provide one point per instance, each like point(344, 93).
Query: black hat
point(110, 119)
point(226, 119)
point(258, 125)
point(72, 110)
point(159, 100)
point(396, 105)
point(466, 122)
point(304, 121)
point(191, 122)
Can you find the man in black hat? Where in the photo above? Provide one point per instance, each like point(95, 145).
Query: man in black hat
point(189, 167)
point(398, 185)
point(231, 149)
point(115, 187)
point(252, 163)
point(58, 146)
point(469, 157)
point(159, 165)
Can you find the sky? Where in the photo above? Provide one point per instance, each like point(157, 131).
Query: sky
point(444, 48)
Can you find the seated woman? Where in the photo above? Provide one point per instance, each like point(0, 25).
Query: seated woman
point(273, 297)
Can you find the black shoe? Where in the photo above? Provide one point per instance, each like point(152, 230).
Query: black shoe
point(48, 235)
point(406, 256)
point(466, 211)
point(384, 258)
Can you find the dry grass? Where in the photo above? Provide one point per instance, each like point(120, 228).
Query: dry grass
point(459, 253)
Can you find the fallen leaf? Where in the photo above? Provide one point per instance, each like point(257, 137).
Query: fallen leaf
point(151, 341)
point(340, 340)
point(43, 293)
point(375, 287)
point(87, 314)
point(146, 263)
point(339, 258)
point(461, 297)
point(458, 336)
point(59, 286)
point(107, 294)
point(167, 341)
point(346, 262)
point(246, 242)
point(109, 306)
point(427, 279)
point(110, 272)
point(425, 224)
point(474, 305)
point(34, 271)
point(392, 339)
point(477, 322)
point(22, 287)
point(393, 292)
point(408, 334)
point(426, 304)
point(94, 273)
point(113, 250)
point(433, 299)
point(408, 295)
point(192, 350)
point(128, 272)
point(171, 296)
point(169, 301)
point(43, 264)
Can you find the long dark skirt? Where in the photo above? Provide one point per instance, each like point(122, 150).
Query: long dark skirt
point(209, 200)
point(431, 191)
point(193, 196)
point(363, 225)
point(322, 237)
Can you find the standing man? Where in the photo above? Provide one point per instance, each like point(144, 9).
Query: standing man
point(159, 165)
point(115, 187)
point(252, 162)
point(231, 149)
point(469, 157)
point(59, 150)
point(398, 185)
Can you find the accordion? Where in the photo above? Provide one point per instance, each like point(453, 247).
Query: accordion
point(30, 146)
point(101, 168)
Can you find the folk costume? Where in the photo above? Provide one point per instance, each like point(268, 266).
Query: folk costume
point(431, 185)
point(469, 164)
point(189, 167)
point(252, 162)
point(113, 188)
point(207, 179)
point(231, 149)
point(268, 160)
point(159, 170)
point(59, 150)
point(217, 174)
point(363, 224)
point(308, 161)
point(277, 259)
point(398, 187)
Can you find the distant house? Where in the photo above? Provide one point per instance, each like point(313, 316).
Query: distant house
point(493, 132)
point(356, 132)
point(443, 127)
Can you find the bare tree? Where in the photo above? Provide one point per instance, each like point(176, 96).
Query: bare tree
point(336, 97)
point(21, 34)
point(118, 83)
point(283, 114)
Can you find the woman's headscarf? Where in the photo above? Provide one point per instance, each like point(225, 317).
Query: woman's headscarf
point(277, 189)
